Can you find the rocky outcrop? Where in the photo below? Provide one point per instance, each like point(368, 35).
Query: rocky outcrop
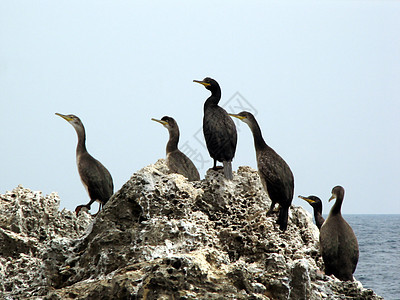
point(162, 237)
point(35, 240)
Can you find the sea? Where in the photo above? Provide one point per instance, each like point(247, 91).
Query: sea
point(379, 262)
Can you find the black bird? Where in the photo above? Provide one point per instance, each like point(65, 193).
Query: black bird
point(177, 161)
point(316, 204)
point(275, 174)
point(339, 246)
point(219, 130)
point(94, 176)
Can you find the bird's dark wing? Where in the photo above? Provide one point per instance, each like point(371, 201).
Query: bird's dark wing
point(350, 246)
point(96, 178)
point(220, 133)
point(329, 241)
point(277, 175)
point(179, 163)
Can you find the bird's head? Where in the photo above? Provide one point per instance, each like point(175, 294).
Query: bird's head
point(244, 116)
point(314, 201)
point(337, 192)
point(167, 122)
point(209, 83)
point(72, 119)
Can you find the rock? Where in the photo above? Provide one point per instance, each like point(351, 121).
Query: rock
point(162, 237)
point(35, 240)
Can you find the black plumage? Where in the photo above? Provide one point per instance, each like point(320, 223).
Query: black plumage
point(94, 176)
point(339, 245)
point(316, 204)
point(275, 174)
point(177, 161)
point(218, 128)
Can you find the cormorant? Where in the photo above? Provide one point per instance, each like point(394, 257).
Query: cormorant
point(94, 176)
point(219, 130)
point(177, 161)
point(339, 246)
point(276, 176)
point(316, 204)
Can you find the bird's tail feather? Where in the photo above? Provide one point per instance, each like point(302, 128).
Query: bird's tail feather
point(283, 218)
point(228, 170)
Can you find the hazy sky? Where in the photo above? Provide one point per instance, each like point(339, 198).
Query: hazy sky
point(322, 77)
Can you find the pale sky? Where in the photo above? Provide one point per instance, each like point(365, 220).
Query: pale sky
point(322, 77)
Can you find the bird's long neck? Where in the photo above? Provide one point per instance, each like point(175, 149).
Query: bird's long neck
point(319, 219)
point(213, 100)
point(81, 146)
point(259, 142)
point(336, 208)
point(172, 144)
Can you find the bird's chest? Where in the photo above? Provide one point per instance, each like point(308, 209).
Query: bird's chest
point(80, 166)
point(215, 120)
point(214, 113)
point(79, 163)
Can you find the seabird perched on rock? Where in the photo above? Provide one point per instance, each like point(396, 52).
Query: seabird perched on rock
point(339, 245)
point(94, 176)
point(275, 174)
point(218, 128)
point(177, 161)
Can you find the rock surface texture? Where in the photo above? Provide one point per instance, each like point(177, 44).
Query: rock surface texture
point(163, 237)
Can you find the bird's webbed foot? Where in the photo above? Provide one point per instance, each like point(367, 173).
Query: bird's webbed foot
point(272, 210)
point(216, 168)
point(79, 207)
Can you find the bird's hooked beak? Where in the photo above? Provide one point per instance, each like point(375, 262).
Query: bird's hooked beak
point(202, 82)
point(160, 121)
point(64, 117)
point(307, 199)
point(237, 116)
point(332, 197)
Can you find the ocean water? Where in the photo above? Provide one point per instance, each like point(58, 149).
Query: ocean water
point(379, 262)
